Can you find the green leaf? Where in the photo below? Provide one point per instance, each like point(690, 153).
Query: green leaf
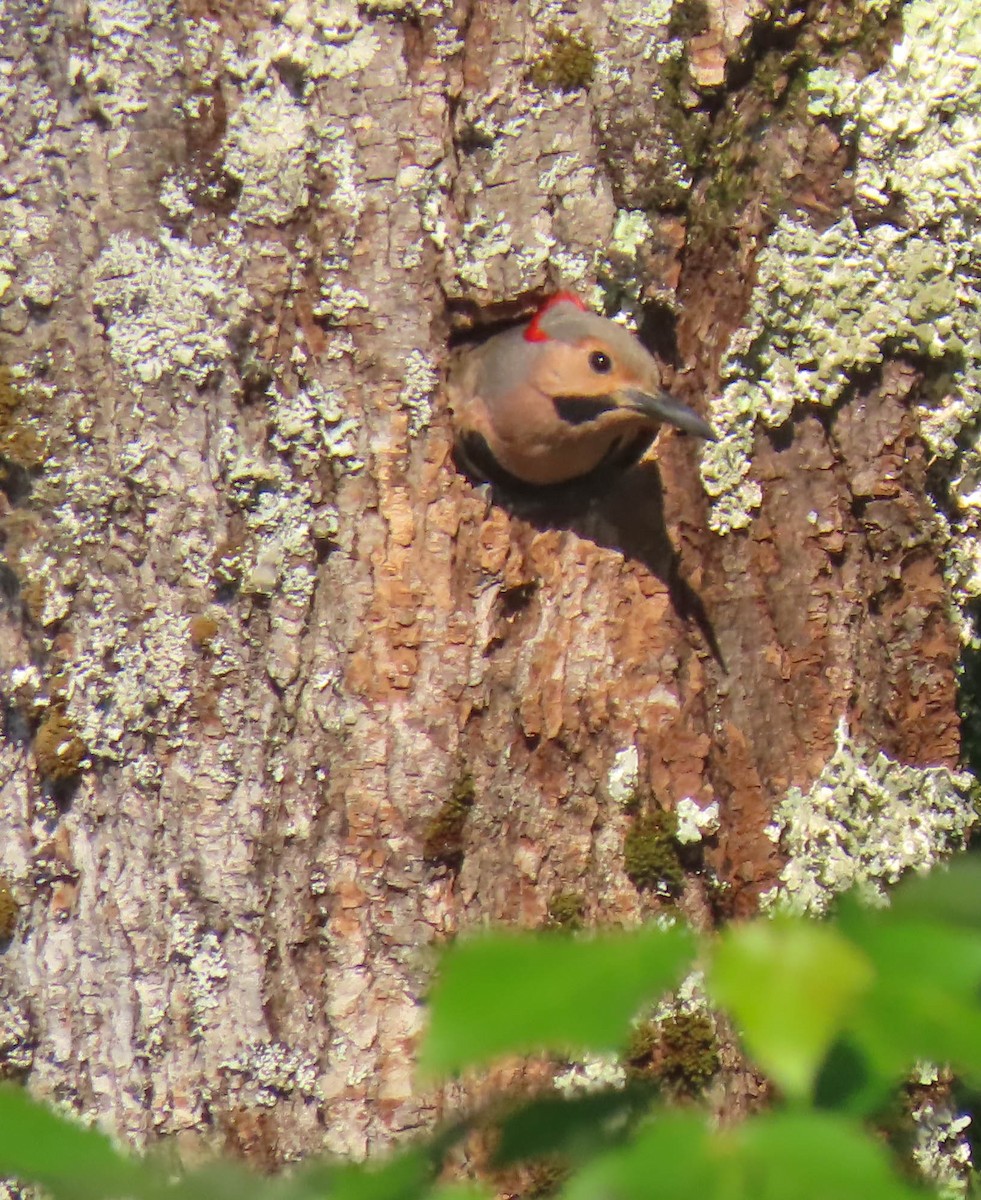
point(461, 1191)
point(577, 1127)
point(216, 1180)
point(814, 1156)
point(791, 1156)
point(924, 1000)
point(847, 1082)
point(948, 895)
point(672, 1158)
point(403, 1176)
point(69, 1161)
point(512, 993)
point(790, 984)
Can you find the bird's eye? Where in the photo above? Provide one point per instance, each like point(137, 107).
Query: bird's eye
point(601, 363)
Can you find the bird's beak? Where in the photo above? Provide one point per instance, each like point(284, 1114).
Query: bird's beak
point(662, 407)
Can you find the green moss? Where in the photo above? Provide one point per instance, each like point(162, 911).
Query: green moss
point(9, 908)
point(58, 750)
point(20, 446)
point(688, 19)
point(638, 1058)
point(727, 191)
point(736, 165)
point(546, 1176)
point(443, 839)
point(203, 630)
point(633, 803)
point(689, 1050)
point(566, 910)
point(650, 853)
point(690, 127)
point(681, 1051)
point(568, 64)
point(10, 400)
point(33, 595)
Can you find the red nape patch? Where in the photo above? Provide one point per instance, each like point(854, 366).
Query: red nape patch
point(534, 332)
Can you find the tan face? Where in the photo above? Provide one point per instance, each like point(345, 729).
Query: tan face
point(569, 415)
point(574, 394)
point(590, 368)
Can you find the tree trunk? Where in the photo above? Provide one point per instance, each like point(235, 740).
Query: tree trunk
point(288, 700)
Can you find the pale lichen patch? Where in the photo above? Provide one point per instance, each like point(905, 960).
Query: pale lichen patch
point(132, 42)
point(916, 120)
point(169, 307)
point(863, 822)
point(637, 106)
point(419, 382)
point(311, 423)
point(631, 230)
point(690, 997)
point(313, 41)
point(281, 516)
point(337, 157)
point(330, 40)
point(25, 234)
point(206, 964)
point(26, 91)
point(941, 1145)
point(527, 197)
point(200, 38)
point(694, 822)
point(591, 1073)
point(174, 196)
point(337, 302)
point(266, 151)
point(640, 25)
point(42, 285)
point(270, 1071)
point(624, 775)
point(17, 1036)
point(621, 270)
point(484, 237)
point(829, 304)
point(127, 676)
point(437, 9)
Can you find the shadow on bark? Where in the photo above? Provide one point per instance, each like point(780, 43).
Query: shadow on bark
point(620, 510)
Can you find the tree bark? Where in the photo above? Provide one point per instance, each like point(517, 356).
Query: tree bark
point(288, 700)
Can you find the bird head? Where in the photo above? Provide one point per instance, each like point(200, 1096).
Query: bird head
point(567, 398)
point(590, 367)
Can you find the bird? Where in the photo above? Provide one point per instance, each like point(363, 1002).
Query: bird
point(568, 398)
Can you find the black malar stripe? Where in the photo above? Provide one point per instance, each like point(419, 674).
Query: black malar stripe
point(579, 410)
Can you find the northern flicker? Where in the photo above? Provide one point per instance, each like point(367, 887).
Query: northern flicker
point(567, 398)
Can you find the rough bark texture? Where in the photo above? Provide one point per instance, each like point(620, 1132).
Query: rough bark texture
point(285, 643)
